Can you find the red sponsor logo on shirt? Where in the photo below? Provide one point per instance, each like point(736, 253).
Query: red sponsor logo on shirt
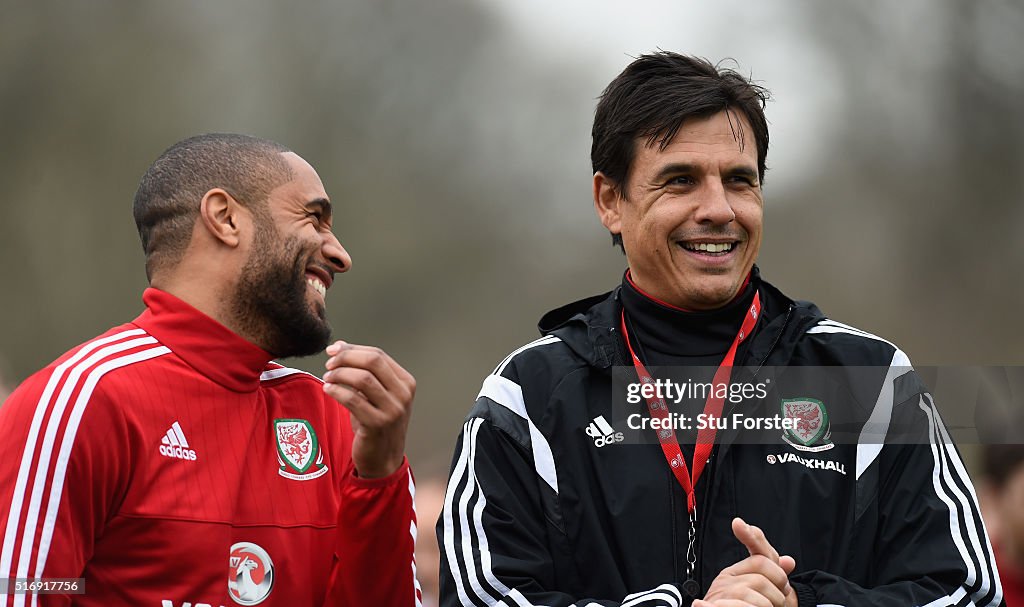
point(250, 574)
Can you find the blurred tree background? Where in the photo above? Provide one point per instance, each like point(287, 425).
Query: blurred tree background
point(454, 138)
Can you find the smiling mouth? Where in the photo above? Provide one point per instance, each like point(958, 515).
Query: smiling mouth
point(318, 286)
point(710, 248)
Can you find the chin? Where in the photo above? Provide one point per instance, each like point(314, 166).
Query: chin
point(320, 312)
point(713, 299)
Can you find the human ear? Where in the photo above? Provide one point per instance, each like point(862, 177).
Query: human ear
point(606, 203)
point(221, 215)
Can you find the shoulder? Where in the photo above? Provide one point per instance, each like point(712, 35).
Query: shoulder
point(530, 373)
point(291, 386)
point(516, 395)
point(849, 345)
point(514, 398)
point(525, 362)
point(81, 399)
point(276, 375)
point(90, 371)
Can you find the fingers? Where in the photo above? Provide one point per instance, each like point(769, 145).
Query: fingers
point(720, 603)
point(373, 377)
point(762, 568)
point(753, 581)
point(756, 543)
point(787, 563)
point(749, 589)
point(379, 393)
point(364, 411)
point(370, 354)
point(753, 538)
point(761, 579)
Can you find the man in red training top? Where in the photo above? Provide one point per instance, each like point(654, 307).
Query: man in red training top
point(169, 462)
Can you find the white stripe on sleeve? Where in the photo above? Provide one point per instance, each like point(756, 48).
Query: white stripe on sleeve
point(872, 436)
point(509, 394)
point(28, 455)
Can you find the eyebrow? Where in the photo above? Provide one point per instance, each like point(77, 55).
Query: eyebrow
point(683, 168)
point(743, 171)
point(676, 168)
point(323, 204)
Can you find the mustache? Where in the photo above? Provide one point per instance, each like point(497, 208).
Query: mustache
point(322, 266)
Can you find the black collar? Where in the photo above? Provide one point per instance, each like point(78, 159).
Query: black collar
point(660, 329)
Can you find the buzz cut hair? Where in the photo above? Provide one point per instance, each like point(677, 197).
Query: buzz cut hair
point(167, 201)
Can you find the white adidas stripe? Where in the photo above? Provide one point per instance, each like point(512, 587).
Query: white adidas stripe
point(666, 592)
point(947, 467)
point(17, 500)
point(979, 543)
point(176, 430)
point(283, 372)
point(872, 435)
point(831, 326)
point(547, 339)
point(417, 591)
point(64, 455)
point(464, 522)
point(75, 367)
point(448, 514)
point(509, 394)
point(50, 438)
point(469, 512)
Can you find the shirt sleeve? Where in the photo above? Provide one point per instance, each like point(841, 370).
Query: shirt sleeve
point(492, 531)
point(931, 546)
point(377, 538)
point(58, 483)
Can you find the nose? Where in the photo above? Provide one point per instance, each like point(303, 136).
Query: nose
point(335, 254)
point(715, 208)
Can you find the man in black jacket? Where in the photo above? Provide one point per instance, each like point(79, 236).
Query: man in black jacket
point(571, 483)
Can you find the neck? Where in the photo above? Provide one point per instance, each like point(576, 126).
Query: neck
point(198, 293)
point(663, 329)
point(632, 283)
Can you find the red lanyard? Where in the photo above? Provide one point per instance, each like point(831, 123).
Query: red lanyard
point(712, 407)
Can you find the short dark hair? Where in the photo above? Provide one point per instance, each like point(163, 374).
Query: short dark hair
point(652, 98)
point(166, 204)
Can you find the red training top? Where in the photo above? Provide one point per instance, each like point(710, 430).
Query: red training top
point(169, 462)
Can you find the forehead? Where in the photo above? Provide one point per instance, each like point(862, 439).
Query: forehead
point(305, 184)
point(722, 138)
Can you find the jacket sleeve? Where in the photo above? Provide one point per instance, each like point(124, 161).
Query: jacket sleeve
point(931, 547)
point(492, 530)
point(58, 481)
point(377, 538)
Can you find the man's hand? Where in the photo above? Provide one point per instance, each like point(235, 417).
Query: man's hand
point(378, 393)
point(761, 579)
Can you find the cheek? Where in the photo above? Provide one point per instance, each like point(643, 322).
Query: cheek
point(751, 222)
point(659, 222)
point(650, 236)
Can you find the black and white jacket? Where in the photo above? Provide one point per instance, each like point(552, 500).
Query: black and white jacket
point(537, 513)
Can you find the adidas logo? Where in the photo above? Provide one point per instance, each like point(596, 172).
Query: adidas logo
point(174, 444)
point(602, 432)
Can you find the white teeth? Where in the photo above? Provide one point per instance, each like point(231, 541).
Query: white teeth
point(709, 247)
point(319, 286)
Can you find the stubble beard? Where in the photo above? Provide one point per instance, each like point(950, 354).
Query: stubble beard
point(271, 305)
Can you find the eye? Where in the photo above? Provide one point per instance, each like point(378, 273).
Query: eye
point(681, 180)
point(744, 180)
